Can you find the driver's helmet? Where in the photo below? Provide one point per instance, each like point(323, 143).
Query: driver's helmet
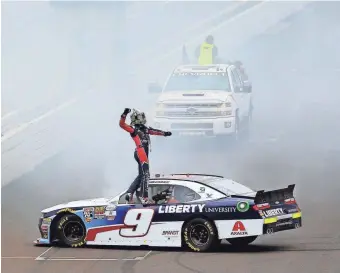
point(137, 117)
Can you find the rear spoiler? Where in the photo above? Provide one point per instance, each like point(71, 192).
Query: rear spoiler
point(274, 196)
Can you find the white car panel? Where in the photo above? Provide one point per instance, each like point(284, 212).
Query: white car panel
point(163, 234)
point(239, 228)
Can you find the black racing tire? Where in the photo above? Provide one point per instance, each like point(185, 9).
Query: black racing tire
point(242, 241)
point(200, 235)
point(71, 231)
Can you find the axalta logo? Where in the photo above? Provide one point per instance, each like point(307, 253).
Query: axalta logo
point(170, 232)
point(239, 229)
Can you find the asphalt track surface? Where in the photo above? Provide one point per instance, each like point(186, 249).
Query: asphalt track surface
point(282, 150)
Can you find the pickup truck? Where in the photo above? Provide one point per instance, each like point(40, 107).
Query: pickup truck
point(204, 100)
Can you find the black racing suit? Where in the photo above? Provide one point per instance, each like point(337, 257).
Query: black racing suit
point(141, 136)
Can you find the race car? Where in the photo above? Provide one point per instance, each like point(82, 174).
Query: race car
point(196, 211)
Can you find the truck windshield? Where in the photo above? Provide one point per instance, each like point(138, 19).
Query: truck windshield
point(194, 81)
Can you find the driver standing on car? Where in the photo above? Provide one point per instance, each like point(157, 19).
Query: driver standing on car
point(141, 136)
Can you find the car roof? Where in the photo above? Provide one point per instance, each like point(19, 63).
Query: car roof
point(202, 68)
point(188, 177)
point(208, 180)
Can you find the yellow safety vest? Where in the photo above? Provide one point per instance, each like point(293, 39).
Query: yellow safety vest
point(206, 54)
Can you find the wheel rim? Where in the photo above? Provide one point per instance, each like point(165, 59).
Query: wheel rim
point(73, 231)
point(199, 235)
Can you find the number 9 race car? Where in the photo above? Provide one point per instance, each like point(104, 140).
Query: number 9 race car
point(189, 210)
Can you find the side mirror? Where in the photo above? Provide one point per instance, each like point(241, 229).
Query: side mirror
point(247, 86)
point(154, 88)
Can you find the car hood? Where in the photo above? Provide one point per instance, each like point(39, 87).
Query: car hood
point(79, 203)
point(199, 95)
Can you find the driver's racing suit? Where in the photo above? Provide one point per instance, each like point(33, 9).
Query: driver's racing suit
point(140, 135)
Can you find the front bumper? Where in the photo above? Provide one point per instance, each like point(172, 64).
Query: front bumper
point(41, 241)
point(207, 127)
point(44, 229)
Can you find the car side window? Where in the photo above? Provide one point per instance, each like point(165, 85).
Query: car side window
point(238, 80)
point(236, 83)
point(228, 82)
point(183, 194)
point(123, 201)
point(240, 75)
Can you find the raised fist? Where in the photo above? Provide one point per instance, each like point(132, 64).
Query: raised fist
point(126, 111)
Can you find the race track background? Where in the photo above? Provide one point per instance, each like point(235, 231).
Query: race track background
point(295, 69)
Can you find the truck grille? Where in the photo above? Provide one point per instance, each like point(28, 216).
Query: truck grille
point(192, 126)
point(188, 114)
point(194, 105)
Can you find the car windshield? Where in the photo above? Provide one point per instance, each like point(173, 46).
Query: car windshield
point(193, 81)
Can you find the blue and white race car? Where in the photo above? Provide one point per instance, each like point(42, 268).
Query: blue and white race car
point(190, 210)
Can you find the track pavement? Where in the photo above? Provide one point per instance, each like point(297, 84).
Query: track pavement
point(285, 148)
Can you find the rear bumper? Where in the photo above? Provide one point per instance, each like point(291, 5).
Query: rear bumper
point(282, 224)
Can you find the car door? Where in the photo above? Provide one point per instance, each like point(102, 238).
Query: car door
point(237, 89)
point(246, 96)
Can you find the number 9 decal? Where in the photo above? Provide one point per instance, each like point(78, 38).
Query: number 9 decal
point(137, 223)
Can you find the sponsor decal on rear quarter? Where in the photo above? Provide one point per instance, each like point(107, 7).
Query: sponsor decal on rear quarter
point(242, 206)
point(272, 212)
point(239, 229)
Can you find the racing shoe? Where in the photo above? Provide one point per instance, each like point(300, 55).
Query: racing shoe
point(128, 197)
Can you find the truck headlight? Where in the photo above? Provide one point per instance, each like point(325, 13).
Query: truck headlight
point(226, 113)
point(159, 105)
point(226, 104)
point(159, 109)
point(159, 113)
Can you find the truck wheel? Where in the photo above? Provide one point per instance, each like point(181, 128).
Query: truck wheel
point(242, 241)
point(200, 235)
point(71, 231)
point(245, 132)
point(236, 134)
point(249, 118)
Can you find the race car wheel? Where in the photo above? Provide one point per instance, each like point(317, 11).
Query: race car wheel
point(71, 231)
point(199, 235)
point(243, 241)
